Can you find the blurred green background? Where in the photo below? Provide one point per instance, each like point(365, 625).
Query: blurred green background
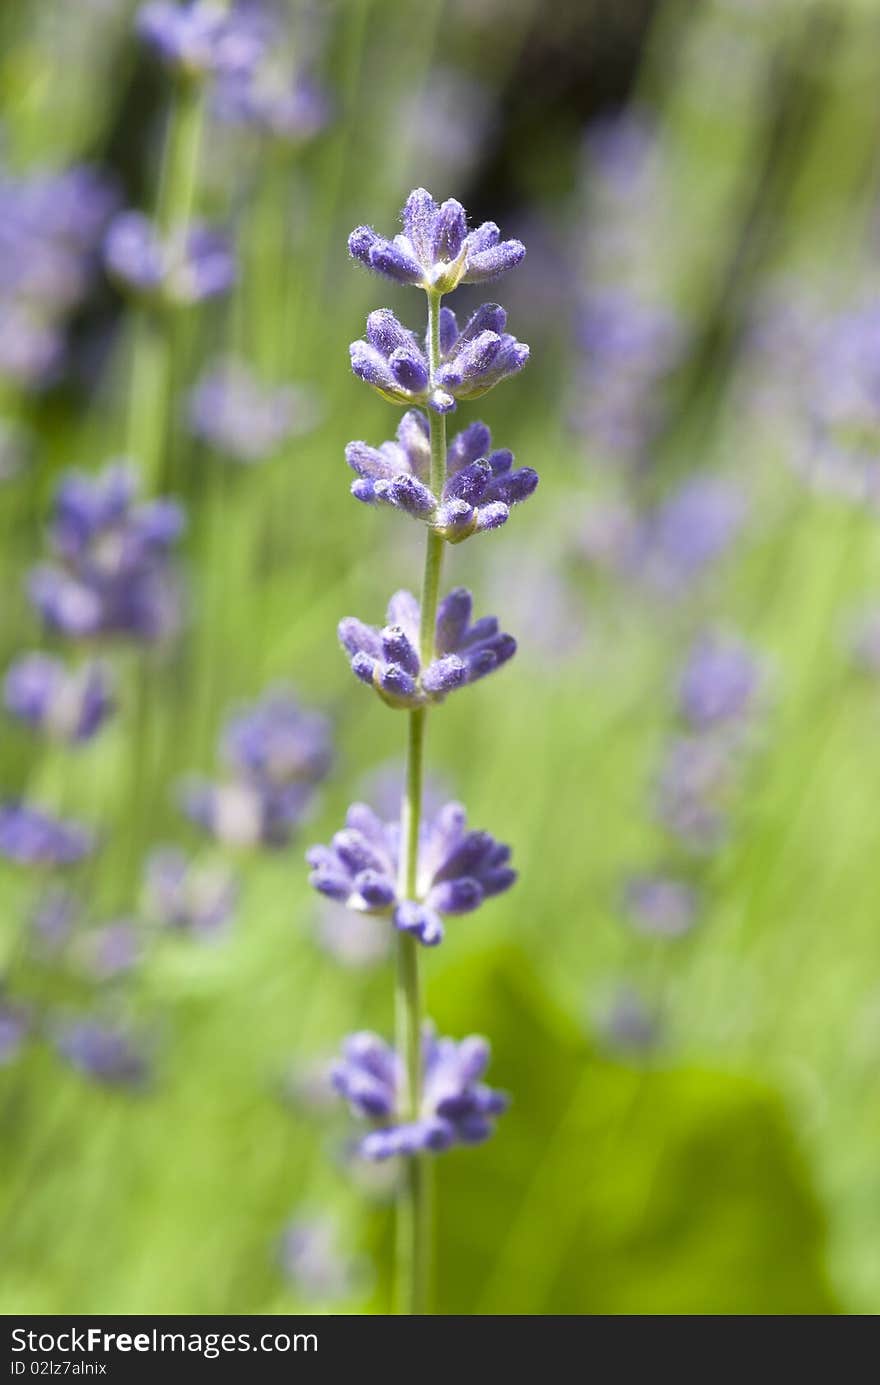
point(695, 1121)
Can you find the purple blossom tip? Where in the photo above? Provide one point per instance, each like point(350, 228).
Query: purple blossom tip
point(30, 837)
point(70, 706)
point(436, 251)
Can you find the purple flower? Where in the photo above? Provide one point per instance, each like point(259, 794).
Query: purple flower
point(311, 1259)
point(186, 896)
point(15, 1026)
point(111, 573)
point(69, 706)
point(694, 789)
point(690, 530)
point(284, 104)
point(31, 349)
point(473, 359)
point(52, 920)
point(629, 1024)
point(457, 870)
point(456, 1108)
point(388, 659)
point(436, 251)
point(197, 38)
point(181, 270)
point(104, 1052)
point(392, 361)
point(719, 682)
point(239, 416)
point(30, 837)
point(112, 950)
point(278, 752)
point(661, 906)
point(479, 492)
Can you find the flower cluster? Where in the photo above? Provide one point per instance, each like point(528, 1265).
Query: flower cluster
point(187, 896)
point(481, 484)
point(388, 659)
point(458, 870)
point(66, 705)
point(243, 419)
point(180, 268)
point(110, 574)
point(473, 359)
point(198, 38)
point(277, 753)
point(436, 251)
point(104, 1052)
point(456, 1108)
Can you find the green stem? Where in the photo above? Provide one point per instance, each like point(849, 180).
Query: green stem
point(414, 1216)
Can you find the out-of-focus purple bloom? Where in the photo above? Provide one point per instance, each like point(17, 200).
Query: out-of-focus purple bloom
point(694, 789)
point(478, 494)
point(52, 920)
point(286, 105)
point(661, 905)
point(244, 419)
point(69, 706)
point(629, 351)
point(629, 1025)
point(278, 752)
point(436, 251)
point(179, 269)
point(311, 1259)
point(111, 950)
point(689, 531)
point(388, 659)
point(188, 896)
point(104, 1052)
point(31, 349)
point(30, 837)
point(353, 941)
point(719, 682)
point(199, 37)
point(456, 1108)
point(15, 1026)
point(458, 870)
point(111, 572)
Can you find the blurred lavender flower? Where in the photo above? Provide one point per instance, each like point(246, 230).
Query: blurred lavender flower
point(457, 1107)
point(111, 950)
point(353, 941)
point(198, 37)
point(689, 531)
point(478, 494)
point(661, 905)
point(457, 870)
point(67, 706)
point(31, 350)
point(278, 752)
point(719, 682)
point(111, 574)
point(388, 659)
point(279, 101)
point(694, 789)
point(247, 421)
point(30, 837)
point(103, 1051)
point(187, 896)
point(436, 251)
point(179, 270)
point(629, 1025)
point(311, 1259)
point(15, 1026)
point(52, 921)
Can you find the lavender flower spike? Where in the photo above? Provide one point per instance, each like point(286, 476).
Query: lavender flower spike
point(436, 251)
point(457, 1107)
point(197, 38)
point(388, 659)
point(719, 682)
point(66, 706)
point(180, 269)
point(481, 484)
point(458, 870)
